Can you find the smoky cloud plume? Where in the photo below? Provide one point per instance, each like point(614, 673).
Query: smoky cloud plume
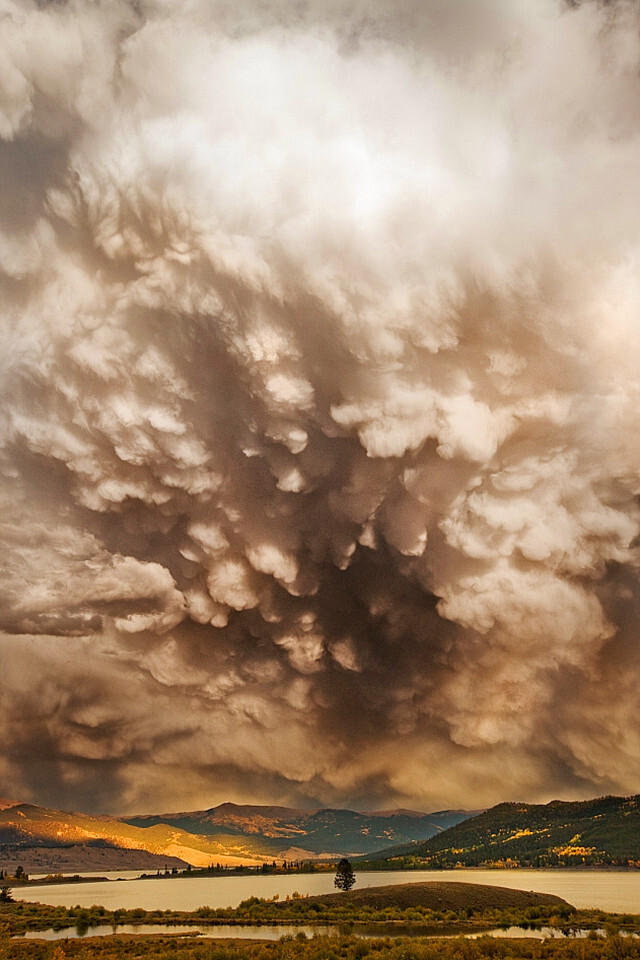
point(320, 377)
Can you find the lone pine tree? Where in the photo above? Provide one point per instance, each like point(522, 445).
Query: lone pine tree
point(345, 877)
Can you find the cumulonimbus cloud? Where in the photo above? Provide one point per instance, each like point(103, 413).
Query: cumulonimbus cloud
point(319, 374)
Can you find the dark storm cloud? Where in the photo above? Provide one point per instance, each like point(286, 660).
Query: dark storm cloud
point(319, 376)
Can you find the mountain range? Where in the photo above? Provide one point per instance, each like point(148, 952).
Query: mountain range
point(230, 834)
point(600, 832)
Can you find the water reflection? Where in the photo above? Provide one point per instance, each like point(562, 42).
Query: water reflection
point(258, 932)
point(218, 932)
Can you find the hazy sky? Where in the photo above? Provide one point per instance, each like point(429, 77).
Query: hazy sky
point(320, 416)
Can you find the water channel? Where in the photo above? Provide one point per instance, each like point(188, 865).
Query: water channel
point(291, 931)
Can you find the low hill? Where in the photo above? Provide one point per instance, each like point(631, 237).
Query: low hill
point(604, 831)
point(436, 896)
point(96, 858)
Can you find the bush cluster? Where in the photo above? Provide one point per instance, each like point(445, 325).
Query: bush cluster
point(612, 947)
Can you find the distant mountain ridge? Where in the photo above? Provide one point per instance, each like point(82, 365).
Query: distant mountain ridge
point(601, 832)
point(228, 834)
point(323, 831)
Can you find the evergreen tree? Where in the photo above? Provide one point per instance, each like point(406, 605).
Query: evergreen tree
point(345, 877)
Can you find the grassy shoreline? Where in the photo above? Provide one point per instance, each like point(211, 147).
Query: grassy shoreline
point(436, 906)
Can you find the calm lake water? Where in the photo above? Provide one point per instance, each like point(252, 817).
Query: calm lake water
point(222, 932)
point(237, 931)
point(608, 890)
point(109, 874)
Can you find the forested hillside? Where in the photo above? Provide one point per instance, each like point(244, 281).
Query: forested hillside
point(604, 831)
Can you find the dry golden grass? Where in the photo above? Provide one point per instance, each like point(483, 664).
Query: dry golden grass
point(438, 896)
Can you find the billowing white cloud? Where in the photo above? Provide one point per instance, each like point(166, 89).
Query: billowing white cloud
point(320, 394)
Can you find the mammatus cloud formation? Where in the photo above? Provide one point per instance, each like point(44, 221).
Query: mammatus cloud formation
point(320, 382)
